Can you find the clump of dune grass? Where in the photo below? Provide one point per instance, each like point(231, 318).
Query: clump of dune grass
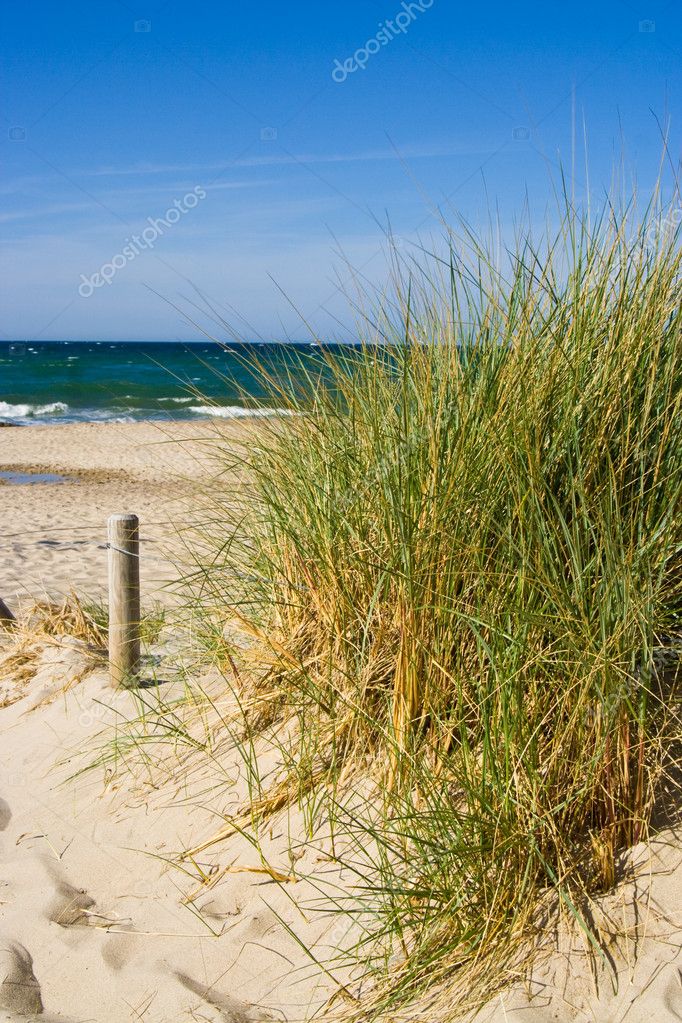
point(70, 617)
point(461, 563)
point(40, 625)
point(152, 620)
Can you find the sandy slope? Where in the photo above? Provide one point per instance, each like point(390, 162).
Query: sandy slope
point(640, 978)
point(92, 920)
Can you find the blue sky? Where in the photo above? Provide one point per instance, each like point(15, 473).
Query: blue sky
point(112, 112)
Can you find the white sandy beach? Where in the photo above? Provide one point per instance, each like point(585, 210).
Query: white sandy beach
point(53, 535)
point(96, 919)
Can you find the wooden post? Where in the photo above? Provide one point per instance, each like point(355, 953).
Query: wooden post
point(7, 619)
point(124, 599)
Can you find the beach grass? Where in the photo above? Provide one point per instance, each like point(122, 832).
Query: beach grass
point(459, 561)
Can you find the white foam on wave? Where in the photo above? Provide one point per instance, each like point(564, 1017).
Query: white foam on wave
point(26, 414)
point(31, 411)
point(101, 416)
point(237, 411)
point(58, 411)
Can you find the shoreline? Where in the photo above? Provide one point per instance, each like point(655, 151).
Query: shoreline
point(200, 414)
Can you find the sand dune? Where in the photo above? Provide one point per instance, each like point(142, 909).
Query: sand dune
point(100, 920)
point(97, 920)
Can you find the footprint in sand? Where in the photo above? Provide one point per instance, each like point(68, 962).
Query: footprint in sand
point(70, 906)
point(5, 814)
point(118, 951)
point(672, 994)
point(19, 989)
point(231, 1010)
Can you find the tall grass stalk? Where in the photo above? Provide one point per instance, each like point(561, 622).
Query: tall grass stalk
point(459, 559)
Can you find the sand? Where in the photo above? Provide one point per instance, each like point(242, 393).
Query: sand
point(53, 535)
point(93, 923)
point(99, 920)
point(92, 920)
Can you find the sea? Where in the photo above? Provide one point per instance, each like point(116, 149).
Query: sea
point(44, 382)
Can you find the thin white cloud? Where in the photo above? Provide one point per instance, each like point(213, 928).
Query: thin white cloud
point(42, 207)
point(34, 186)
point(179, 187)
point(286, 159)
point(50, 210)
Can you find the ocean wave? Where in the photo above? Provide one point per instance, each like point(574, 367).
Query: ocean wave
point(23, 414)
point(8, 411)
point(236, 411)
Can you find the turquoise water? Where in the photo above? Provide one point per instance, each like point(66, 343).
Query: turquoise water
point(62, 381)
